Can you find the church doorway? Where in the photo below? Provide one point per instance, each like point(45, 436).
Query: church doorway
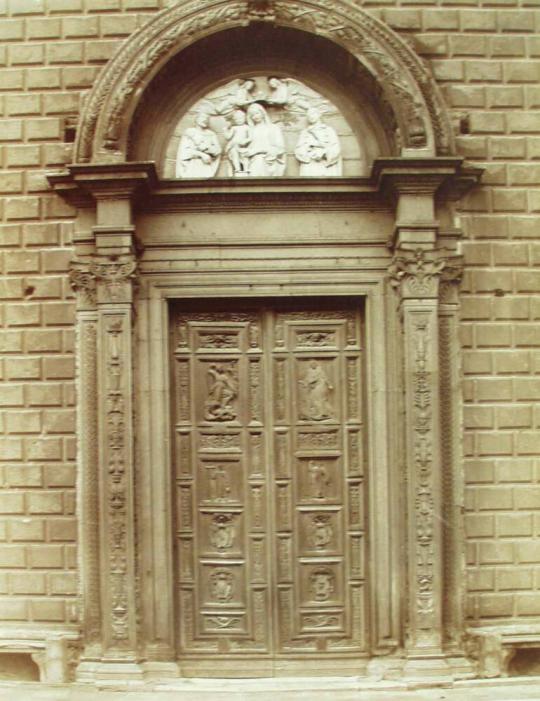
point(269, 482)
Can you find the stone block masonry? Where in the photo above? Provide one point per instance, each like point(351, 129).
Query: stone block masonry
point(50, 55)
point(485, 56)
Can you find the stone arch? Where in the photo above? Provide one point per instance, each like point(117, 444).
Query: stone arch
point(405, 82)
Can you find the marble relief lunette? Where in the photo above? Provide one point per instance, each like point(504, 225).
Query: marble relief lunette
point(257, 127)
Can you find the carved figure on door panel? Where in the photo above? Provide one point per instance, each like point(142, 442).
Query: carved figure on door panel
point(319, 480)
point(321, 584)
point(221, 393)
point(315, 390)
point(321, 531)
point(221, 586)
point(219, 482)
point(222, 531)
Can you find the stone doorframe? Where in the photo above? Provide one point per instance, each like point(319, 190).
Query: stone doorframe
point(126, 560)
point(414, 401)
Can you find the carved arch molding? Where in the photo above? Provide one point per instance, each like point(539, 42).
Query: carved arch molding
point(406, 83)
point(123, 293)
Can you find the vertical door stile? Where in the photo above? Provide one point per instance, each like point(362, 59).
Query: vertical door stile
point(267, 327)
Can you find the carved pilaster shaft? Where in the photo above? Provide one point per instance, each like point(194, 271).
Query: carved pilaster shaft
point(424, 471)
point(416, 274)
point(116, 470)
point(88, 483)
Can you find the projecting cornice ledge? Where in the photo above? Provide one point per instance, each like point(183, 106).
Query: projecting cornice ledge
point(448, 177)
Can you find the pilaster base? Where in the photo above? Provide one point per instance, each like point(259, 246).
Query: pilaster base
point(129, 672)
point(427, 668)
point(160, 670)
point(461, 667)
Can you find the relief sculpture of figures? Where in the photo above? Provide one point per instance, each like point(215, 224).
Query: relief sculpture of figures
point(321, 531)
point(315, 390)
point(278, 92)
point(241, 96)
point(221, 394)
point(318, 479)
point(322, 584)
point(222, 531)
point(266, 151)
point(219, 483)
point(221, 586)
point(238, 139)
point(318, 149)
point(199, 151)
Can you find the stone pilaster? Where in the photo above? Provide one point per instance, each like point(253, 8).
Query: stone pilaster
point(84, 285)
point(416, 274)
point(104, 276)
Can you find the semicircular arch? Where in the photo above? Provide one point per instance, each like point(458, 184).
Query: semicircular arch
point(405, 83)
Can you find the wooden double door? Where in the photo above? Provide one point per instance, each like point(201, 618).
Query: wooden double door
point(269, 480)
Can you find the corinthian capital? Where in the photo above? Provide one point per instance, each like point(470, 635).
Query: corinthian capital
point(102, 279)
point(417, 273)
point(83, 282)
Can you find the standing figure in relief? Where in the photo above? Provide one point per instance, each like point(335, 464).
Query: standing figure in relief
point(199, 151)
point(316, 393)
point(319, 479)
point(318, 148)
point(266, 151)
point(238, 139)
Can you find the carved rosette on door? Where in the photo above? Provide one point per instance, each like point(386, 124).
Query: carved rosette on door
point(269, 482)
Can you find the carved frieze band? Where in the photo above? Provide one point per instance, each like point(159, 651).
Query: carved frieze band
point(417, 273)
point(85, 276)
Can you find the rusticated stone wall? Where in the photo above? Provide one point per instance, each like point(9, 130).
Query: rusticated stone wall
point(486, 57)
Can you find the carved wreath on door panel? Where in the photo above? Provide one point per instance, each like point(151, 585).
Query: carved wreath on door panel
point(262, 127)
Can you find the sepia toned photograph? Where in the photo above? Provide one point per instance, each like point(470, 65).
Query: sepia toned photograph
point(270, 350)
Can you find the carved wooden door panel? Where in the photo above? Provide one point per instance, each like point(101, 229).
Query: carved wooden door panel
point(318, 481)
point(222, 523)
point(269, 482)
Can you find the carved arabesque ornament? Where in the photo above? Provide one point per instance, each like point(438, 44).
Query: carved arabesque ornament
point(405, 81)
point(83, 281)
point(116, 468)
point(423, 461)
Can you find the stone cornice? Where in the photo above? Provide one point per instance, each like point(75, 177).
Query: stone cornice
point(424, 175)
point(82, 184)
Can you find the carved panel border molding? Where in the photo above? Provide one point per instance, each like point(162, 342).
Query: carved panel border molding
point(405, 82)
